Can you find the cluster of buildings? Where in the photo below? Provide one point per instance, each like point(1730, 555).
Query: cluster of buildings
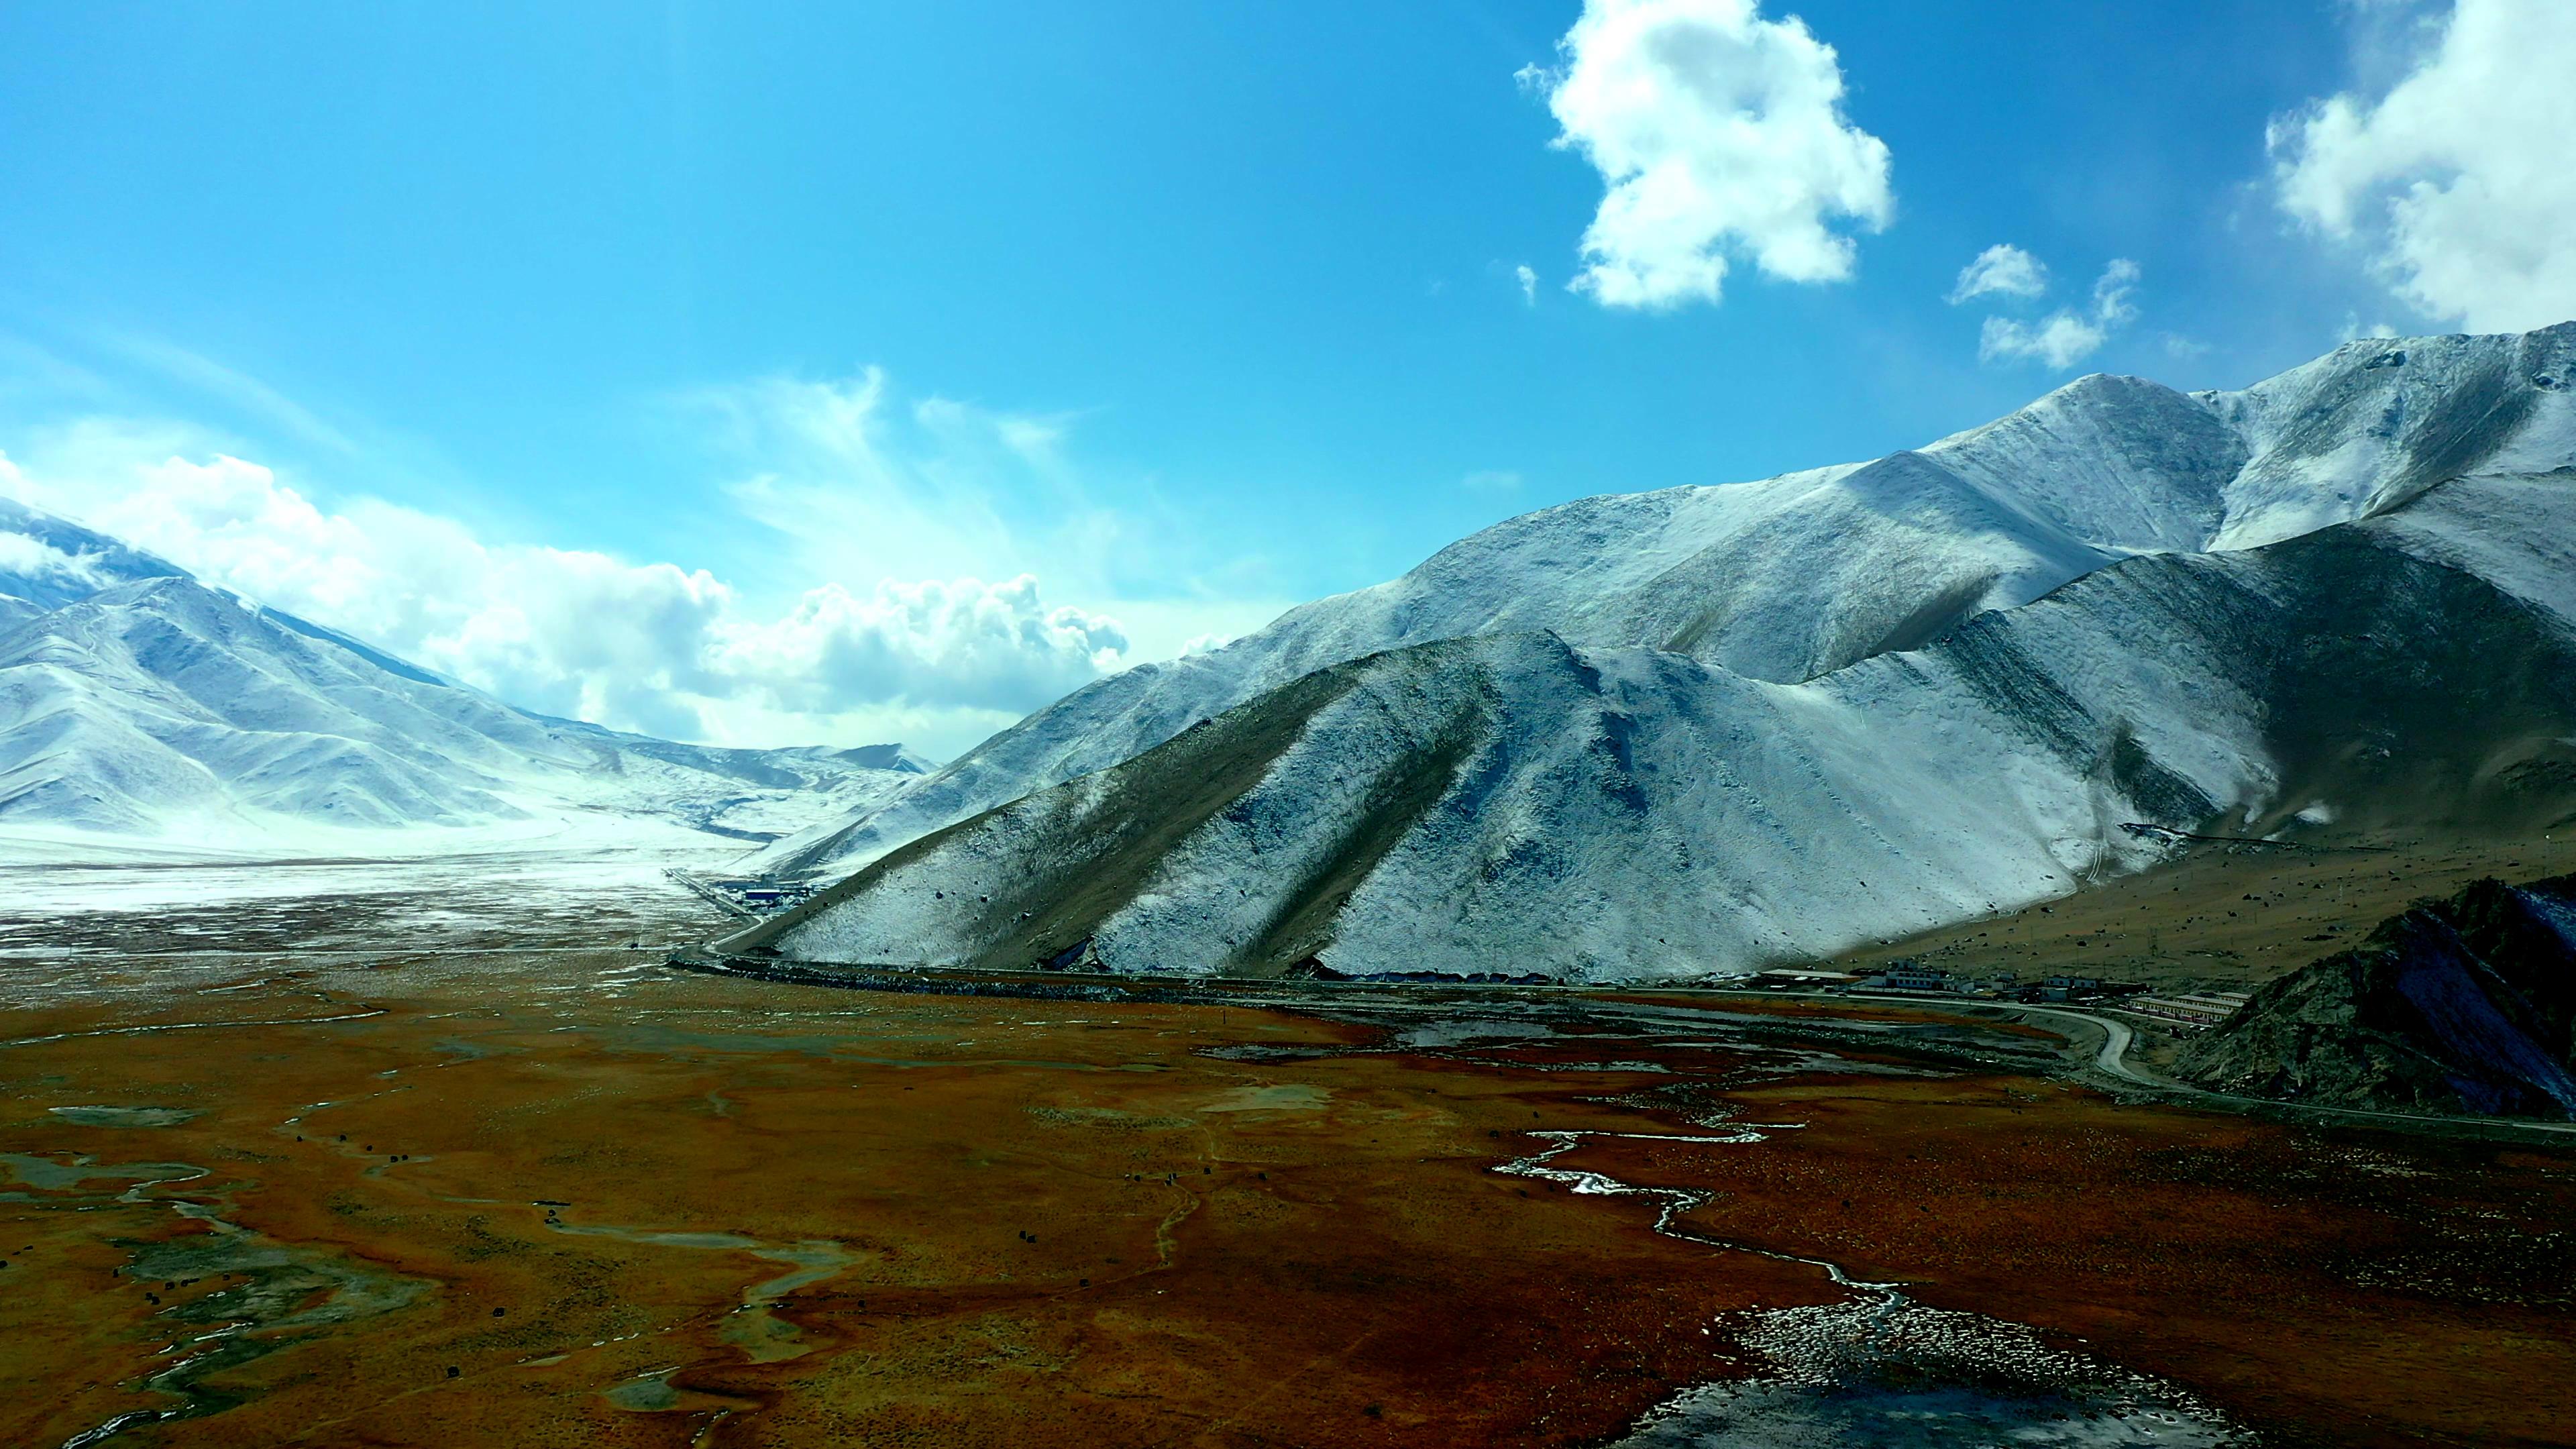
point(2198, 1010)
point(1917, 977)
point(1906, 975)
point(743, 896)
point(766, 896)
point(1911, 977)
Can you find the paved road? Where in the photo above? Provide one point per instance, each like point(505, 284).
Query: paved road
point(2113, 1060)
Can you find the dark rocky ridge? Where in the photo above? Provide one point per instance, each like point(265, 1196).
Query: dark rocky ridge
point(2459, 1006)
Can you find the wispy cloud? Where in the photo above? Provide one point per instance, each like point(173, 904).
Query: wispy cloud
point(2001, 270)
point(2066, 336)
point(934, 568)
point(253, 397)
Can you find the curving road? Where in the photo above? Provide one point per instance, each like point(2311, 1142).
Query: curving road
point(2113, 1060)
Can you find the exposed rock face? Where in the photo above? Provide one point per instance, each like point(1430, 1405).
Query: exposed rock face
point(2466, 1005)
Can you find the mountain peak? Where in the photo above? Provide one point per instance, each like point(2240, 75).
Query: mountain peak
point(1774, 717)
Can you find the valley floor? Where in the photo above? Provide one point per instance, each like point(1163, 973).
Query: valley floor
point(448, 1163)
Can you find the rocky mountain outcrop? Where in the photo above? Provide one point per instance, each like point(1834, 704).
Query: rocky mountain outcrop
point(2459, 1006)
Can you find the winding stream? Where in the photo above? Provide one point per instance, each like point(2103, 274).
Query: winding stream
point(1879, 1368)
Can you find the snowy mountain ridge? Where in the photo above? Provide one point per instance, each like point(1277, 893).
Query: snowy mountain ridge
point(139, 705)
point(1794, 577)
point(47, 562)
point(1513, 804)
point(2373, 631)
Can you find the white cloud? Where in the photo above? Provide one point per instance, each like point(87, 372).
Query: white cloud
point(991, 646)
point(1491, 480)
point(2457, 180)
point(240, 390)
point(914, 551)
point(1529, 284)
point(570, 632)
point(2001, 270)
point(34, 559)
point(1717, 133)
point(2066, 336)
point(858, 486)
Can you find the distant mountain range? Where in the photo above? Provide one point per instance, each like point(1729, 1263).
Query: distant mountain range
point(1691, 732)
point(143, 707)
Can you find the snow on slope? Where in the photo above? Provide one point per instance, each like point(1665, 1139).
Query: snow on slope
point(46, 562)
point(138, 703)
point(1793, 577)
point(1515, 803)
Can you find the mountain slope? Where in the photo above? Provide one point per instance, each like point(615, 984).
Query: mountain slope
point(1520, 803)
point(136, 702)
point(47, 562)
point(1795, 577)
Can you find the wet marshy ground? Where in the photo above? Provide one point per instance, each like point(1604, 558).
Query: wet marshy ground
point(585, 1199)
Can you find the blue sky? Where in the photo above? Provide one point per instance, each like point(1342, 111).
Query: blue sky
point(1186, 311)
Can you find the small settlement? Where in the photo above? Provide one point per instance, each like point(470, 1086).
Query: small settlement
point(2186, 1011)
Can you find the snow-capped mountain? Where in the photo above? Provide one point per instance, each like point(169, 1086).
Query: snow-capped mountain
point(1690, 732)
point(46, 562)
point(137, 703)
point(1796, 576)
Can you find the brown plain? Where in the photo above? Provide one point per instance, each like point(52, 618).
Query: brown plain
point(1061, 1223)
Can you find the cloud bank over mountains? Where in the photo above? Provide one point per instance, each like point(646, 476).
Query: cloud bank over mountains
point(1718, 134)
point(940, 657)
point(2454, 183)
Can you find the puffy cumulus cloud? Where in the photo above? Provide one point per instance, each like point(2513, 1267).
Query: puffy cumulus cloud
point(2001, 270)
point(988, 646)
point(1528, 280)
point(2456, 180)
point(647, 646)
point(1717, 133)
point(2068, 335)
